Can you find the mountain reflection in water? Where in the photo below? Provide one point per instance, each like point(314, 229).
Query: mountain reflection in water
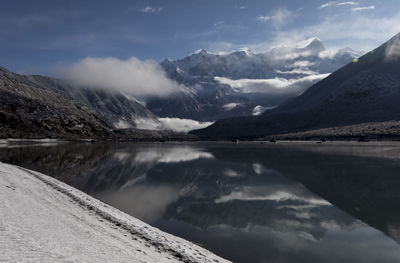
point(246, 202)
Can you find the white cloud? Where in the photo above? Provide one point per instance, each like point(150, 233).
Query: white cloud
point(335, 3)
point(260, 169)
point(148, 124)
point(258, 110)
point(245, 194)
point(360, 31)
point(150, 9)
point(264, 18)
point(240, 7)
point(278, 17)
point(393, 49)
point(183, 125)
point(184, 154)
point(172, 124)
point(301, 64)
point(219, 23)
point(297, 72)
point(272, 86)
point(170, 154)
point(328, 4)
point(122, 124)
point(231, 173)
point(371, 7)
point(347, 3)
point(230, 106)
point(132, 76)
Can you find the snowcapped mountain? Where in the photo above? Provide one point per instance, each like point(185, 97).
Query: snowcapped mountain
point(365, 91)
point(242, 82)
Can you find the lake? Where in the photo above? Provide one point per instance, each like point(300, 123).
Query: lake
point(247, 202)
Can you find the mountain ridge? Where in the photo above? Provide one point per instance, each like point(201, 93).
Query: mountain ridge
point(33, 106)
point(200, 72)
point(366, 90)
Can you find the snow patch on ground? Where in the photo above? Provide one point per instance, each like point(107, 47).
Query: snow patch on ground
point(45, 220)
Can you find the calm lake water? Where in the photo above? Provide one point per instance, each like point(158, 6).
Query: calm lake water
point(293, 202)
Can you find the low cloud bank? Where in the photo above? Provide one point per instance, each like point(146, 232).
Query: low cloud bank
point(172, 124)
point(183, 125)
point(133, 76)
point(393, 49)
point(258, 110)
point(272, 86)
point(230, 106)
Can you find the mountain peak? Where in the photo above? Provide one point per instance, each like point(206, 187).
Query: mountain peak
point(200, 52)
point(313, 43)
point(247, 51)
point(308, 42)
point(167, 61)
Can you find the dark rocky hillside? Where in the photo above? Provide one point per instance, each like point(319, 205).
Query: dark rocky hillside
point(28, 111)
point(41, 107)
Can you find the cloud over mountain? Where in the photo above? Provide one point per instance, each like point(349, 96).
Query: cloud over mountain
point(133, 76)
point(272, 86)
point(171, 124)
point(393, 49)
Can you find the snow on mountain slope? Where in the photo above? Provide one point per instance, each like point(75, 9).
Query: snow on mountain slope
point(214, 79)
point(308, 54)
point(364, 91)
point(44, 220)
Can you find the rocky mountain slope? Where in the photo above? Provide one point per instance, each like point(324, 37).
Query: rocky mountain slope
point(234, 84)
point(367, 90)
point(118, 109)
point(29, 111)
point(38, 107)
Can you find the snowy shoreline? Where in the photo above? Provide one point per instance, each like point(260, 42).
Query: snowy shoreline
point(44, 219)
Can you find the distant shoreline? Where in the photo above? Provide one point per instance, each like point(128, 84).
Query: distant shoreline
point(16, 143)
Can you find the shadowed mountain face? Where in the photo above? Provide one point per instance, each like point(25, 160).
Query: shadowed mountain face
point(116, 108)
point(221, 86)
point(27, 110)
point(36, 106)
point(366, 90)
point(303, 202)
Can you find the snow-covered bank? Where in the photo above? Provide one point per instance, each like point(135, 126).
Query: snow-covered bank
point(45, 220)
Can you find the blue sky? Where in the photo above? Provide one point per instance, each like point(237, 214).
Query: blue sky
point(39, 36)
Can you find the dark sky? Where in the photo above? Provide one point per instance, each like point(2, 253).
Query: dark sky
point(39, 36)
